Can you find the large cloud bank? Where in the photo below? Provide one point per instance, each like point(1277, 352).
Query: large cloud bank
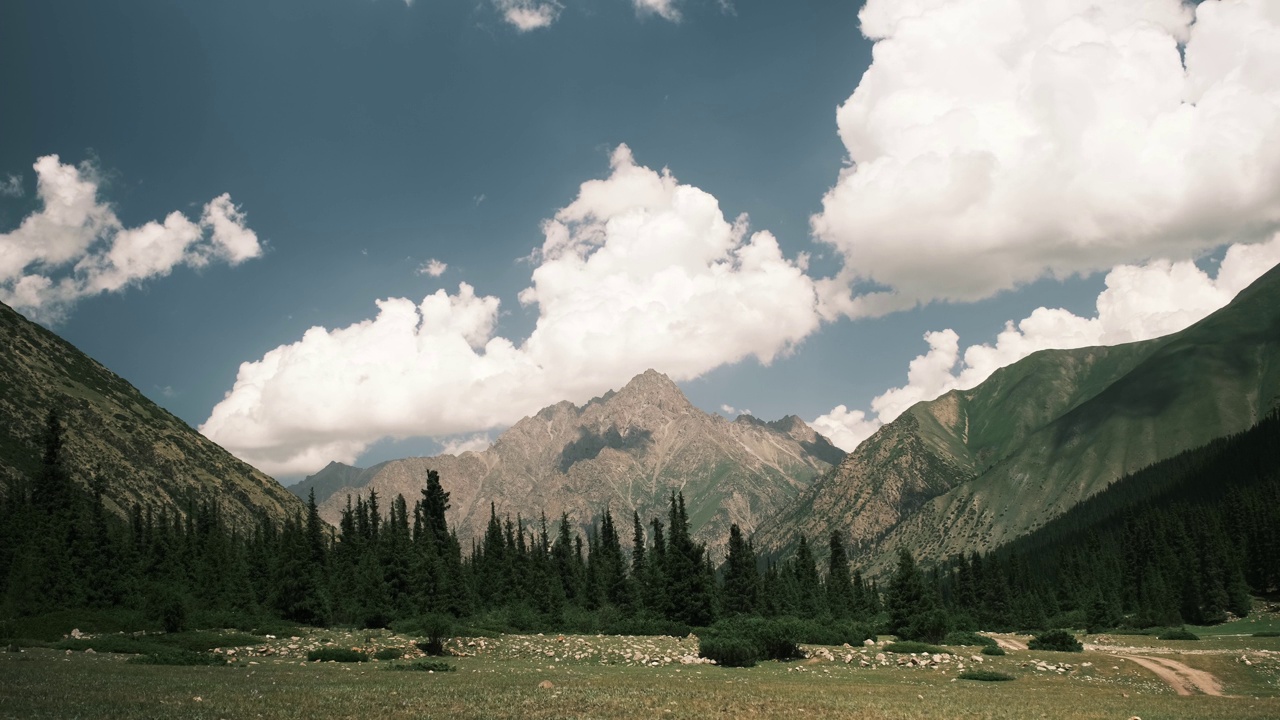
point(1139, 303)
point(75, 246)
point(638, 271)
point(993, 142)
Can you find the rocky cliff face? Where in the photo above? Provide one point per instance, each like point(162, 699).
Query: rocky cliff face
point(144, 454)
point(628, 451)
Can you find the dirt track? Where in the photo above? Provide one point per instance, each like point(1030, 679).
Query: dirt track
point(1184, 680)
point(1009, 643)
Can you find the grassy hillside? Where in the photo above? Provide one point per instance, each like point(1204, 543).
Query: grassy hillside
point(1043, 434)
point(145, 454)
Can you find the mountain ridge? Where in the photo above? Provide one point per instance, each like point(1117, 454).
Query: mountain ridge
point(145, 455)
point(627, 450)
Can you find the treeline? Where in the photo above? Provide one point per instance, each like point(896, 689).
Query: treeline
point(1185, 541)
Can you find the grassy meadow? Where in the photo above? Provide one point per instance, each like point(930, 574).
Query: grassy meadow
point(514, 676)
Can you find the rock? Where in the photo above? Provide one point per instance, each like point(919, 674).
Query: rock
point(546, 685)
point(880, 657)
point(76, 634)
point(869, 643)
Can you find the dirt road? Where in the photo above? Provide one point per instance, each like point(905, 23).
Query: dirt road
point(1009, 643)
point(1184, 680)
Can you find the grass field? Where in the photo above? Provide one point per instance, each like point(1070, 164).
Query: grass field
point(608, 677)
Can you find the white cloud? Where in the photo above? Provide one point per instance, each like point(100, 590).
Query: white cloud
point(993, 142)
point(73, 228)
point(845, 428)
point(1139, 303)
point(432, 267)
point(470, 443)
point(11, 187)
point(526, 15)
point(638, 271)
point(728, 409)
point(665, 9)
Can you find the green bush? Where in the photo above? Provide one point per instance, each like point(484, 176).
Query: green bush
point(962, 637)
point(389, 654)
point(1267, 633)
point(336, 654)
point(728, 651)
point(1056, 640)
point(906, 647)
point(125, 644)
point(437, 628)
point(772, 639)
point(985, 676)
point(992, 650)
point(178, 657)
point(424, 666)
point(1178, 634)
point(56, 625)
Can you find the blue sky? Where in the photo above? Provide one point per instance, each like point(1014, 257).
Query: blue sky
point(357, 140)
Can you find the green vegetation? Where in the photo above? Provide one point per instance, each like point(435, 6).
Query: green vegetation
point(1057, 641)
point(1267, 633)
point(424, 666)
point(985, 676)
point(178, 657)
point(389, 654)
point(336, 654)
point(729, 651)
point(993, 650)
point(964, 637)
point(1178, 634)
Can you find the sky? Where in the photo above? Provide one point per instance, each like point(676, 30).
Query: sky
point(356, 230)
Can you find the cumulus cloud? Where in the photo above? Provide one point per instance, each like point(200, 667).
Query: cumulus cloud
point(993, 142)
point(75, 246)
point(470, 443)
point(526, 15)
point(432, 267)
point(1140, 302)
point(638, 271)
point(665, 9)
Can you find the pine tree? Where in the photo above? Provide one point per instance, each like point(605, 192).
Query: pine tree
point(741, 580)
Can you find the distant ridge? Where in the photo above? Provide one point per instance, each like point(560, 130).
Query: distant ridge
point(628, 450)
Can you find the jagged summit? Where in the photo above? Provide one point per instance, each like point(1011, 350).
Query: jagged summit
point(627, 449)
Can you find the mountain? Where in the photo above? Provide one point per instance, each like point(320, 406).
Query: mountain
point(977, 468)
point(627, 450)
point(145, 455)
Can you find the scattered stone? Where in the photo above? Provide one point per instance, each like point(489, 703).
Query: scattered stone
point(546, 685)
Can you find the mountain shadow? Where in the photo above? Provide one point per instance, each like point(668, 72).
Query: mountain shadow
point(590, 444)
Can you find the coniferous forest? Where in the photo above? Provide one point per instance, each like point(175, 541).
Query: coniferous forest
point(1185, 541)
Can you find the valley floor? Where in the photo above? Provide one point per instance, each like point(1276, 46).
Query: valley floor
point(609, 677)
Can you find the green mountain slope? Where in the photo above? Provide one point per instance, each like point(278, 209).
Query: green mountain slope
point(145, 455)
point(977, 468)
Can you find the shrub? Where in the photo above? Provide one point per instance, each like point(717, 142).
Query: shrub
point(992, 650)
point(1056, 640)
point(124, 644)
point(985, 676)
point(906, 647)
point(1178, 634)
point(961, 637)
point(178, 657)
point(336, 654)
point(728, 651)
point(437, 628)
point(1267, 633)
point(424, 666)
point(772, 639)
point(389, 654)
